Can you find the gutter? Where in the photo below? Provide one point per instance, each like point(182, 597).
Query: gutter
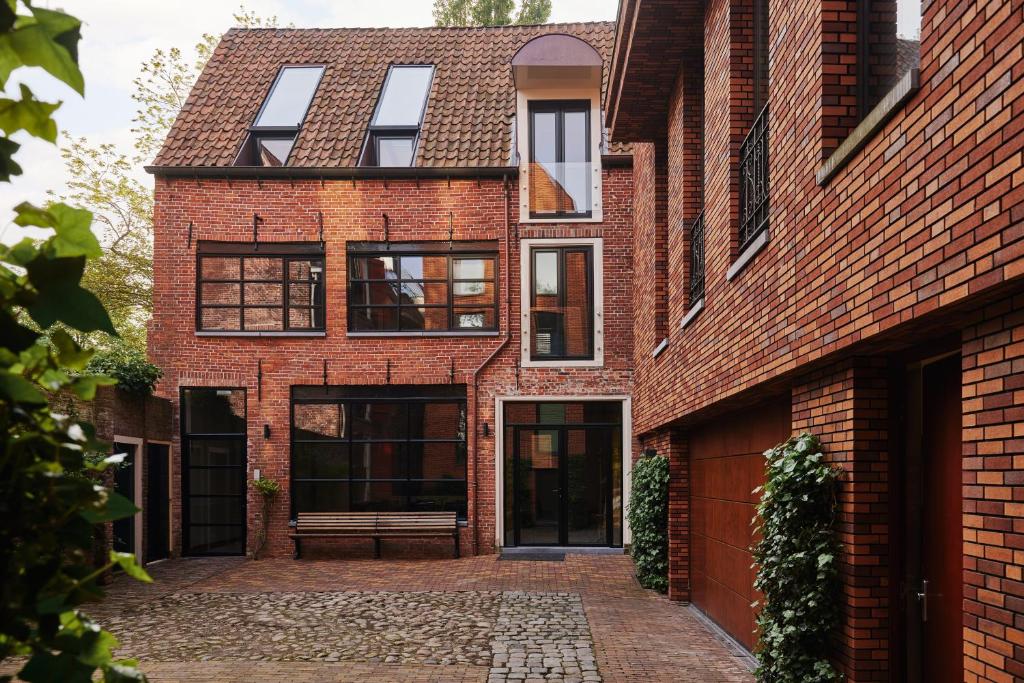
point(487, 361)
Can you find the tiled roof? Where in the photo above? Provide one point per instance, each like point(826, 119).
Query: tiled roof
point(468, 117)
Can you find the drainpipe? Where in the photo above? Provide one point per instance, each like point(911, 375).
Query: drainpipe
point(487, 361)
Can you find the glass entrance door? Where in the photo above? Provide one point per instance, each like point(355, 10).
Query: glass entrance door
point(538, 490)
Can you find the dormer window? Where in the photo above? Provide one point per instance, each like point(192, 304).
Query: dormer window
point(395, 126)
point(272, 136)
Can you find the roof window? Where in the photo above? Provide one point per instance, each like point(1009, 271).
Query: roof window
point(395, 126)
point(272, 137)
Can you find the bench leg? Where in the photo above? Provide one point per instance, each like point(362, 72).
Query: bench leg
point(376, 548)
point(456, 544)
point(298, 548)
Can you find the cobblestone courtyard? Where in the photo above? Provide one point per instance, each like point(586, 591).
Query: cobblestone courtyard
point(475, 619)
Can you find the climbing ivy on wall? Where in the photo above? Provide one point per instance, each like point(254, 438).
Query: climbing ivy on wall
point(648, 522)
point(797, 564)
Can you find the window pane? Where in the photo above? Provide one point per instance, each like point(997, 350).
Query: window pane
point(424, 267)
point(305, 318)
point(214, 411)
point(894, 46)
point(320, 461)
point(544, 137)
point(473, 293)
point(473, 269)
point(474, 319)
point(545, 273)
point(424, 318)
point(370, 319)
point(302, 293)
point(219, 293)
point(577, 304)
point(374, 294)
point(378, 420)
point(261, 294)
point(378, 461)
point(215, 482)
point(319, 420)
point(440, 496)
point(219, 268)
point(215, 510)
point(220, 319)
point(437, 420)
point(327, 496)
point(215, 453)
point(394, 151)
point(216, 540)
point(373, 268)
point(420, 293)
point(405, 93)
point(274, 151)
point(290, 96)
point(437, 461)
point(305, 270)
point(259, 268)
point(271, 319)
point(378, 496)
point(576, 170)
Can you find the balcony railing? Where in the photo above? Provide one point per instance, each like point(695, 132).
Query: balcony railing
point(560, 189)
point(697, 259)
point(754, 180)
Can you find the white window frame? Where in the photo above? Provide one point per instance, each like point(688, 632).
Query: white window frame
point(523, 99)
point(526, 248)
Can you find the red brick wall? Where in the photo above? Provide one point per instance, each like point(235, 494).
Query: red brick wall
point(222, 210)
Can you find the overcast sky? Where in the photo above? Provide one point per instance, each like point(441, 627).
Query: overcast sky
point(118, 35)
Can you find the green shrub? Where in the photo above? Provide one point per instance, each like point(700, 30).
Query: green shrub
point(133, 372)
point(797, 564)
point(648, 521)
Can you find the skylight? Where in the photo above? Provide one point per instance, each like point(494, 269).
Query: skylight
point(277, 125)
point(396, 121)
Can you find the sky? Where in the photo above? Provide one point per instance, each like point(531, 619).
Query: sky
point(118, 35)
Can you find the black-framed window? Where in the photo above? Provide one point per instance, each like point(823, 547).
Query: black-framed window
point(560, 160)
point(269, 287)
point(697, 259)
point(753, 168)
point(395, 125)
point(562, 303)
point(888, 47)
point(273, 134)
point(213, 431)
point(423, 287)
point(378, 448)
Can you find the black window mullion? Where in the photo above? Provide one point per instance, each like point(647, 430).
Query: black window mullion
point(241, 293)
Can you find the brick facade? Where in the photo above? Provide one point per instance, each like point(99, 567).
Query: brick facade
point(917, 240)
point(418, 210)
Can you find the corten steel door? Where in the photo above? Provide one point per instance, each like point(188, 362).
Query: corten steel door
point(157, 512)
point(934, 585)
point(563, 475)
point(124, 483)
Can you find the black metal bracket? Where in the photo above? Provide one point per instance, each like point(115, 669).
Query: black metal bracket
point(451, 229)
point(190, 234)
point(320, 223)
point(256, 220)
point(451, 372)
point(259, 182)
point(389, 371)
point(325, 372)
point(387, 228)
point(259, 379)
point(517, 374)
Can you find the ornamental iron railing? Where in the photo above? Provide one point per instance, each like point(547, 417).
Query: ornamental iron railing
point(697, 259)
point(754, 180)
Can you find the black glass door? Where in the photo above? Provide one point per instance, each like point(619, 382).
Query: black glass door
point(124, 483)
point(214, 463)
point(157, 513)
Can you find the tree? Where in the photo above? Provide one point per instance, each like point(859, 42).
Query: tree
point(490, 12)
point(50, 498)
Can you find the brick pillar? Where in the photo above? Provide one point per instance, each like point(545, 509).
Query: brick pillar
point(993, 449)
point(846, 407)
point(678, 518)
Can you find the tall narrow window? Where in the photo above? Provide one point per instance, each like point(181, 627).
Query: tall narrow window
point(560, 159)
point(889, 46)
point(562, 303)
point(754, 186)
point(277, 125)
point(395, 126)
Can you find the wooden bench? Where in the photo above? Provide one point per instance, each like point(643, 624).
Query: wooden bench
point(375, 525)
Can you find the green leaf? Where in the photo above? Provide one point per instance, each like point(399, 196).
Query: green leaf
point(36, 46)
point(116, 507)
point(61, 299)
point(74, 232)
point(16, 389)
point(70, 354)
point(86, 385)
point(8, 166)
point(30, 115)
point(127, 562)
point(123, 671)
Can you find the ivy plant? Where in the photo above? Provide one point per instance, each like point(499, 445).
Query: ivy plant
point(49, 509)
point(797, 564)
point(129, 366)
point(267, 490)
point(648, 521)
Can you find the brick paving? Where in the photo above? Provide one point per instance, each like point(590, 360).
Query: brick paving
point(474, 619)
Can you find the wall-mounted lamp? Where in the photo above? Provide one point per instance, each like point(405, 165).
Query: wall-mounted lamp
point(266, 431)
point(650, 452)
point(487, 429)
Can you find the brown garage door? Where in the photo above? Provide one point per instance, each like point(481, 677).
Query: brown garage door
point(726, 464)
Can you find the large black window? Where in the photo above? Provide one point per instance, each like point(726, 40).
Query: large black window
point(213, 476)
point(562, 303)
point(560, 182)
point(396, 121)
point(888, 47)
point(269, 287)
point(379, 448)
point(277, 124)
point(426, 287)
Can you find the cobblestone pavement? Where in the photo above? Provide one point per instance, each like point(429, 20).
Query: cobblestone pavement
point(413, 621)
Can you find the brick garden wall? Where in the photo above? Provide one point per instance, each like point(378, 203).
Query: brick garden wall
point(418, 210)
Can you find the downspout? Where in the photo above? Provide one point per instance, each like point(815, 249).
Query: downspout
point(487, 361)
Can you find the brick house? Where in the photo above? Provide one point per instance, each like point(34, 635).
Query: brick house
point(829, 212)
point(392, 271)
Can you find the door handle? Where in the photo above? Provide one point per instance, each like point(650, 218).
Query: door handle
point(922, 597)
